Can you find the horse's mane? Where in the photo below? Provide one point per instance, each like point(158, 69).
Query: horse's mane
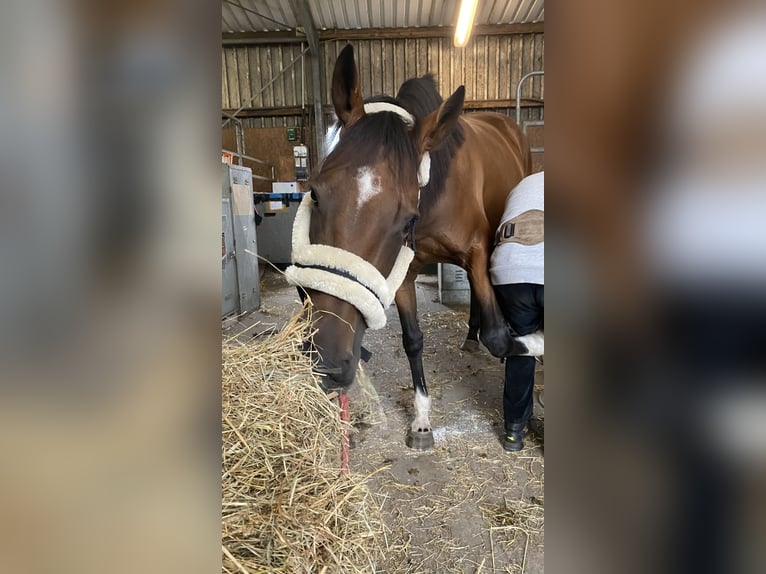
point(420, 97)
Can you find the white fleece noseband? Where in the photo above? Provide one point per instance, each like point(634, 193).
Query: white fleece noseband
point(343, 274)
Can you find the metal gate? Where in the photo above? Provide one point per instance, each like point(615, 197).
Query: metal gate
point(528, 123)
point(229, 285)
point(239, 250)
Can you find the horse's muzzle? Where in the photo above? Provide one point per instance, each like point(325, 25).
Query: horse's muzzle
point(334, 376)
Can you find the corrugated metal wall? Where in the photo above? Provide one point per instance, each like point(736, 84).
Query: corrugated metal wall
point(352, 14)
point(490, 67)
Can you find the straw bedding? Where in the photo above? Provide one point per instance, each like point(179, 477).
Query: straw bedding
point(286, 505)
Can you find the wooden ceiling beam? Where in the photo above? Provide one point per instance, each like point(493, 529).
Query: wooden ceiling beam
point(429, 32)
point(297, 111)
point(380, 33)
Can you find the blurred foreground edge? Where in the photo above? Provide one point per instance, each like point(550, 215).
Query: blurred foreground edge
point(109, 328)
point(656, 268)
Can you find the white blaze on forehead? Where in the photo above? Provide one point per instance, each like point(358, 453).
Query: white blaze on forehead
point(368, 184)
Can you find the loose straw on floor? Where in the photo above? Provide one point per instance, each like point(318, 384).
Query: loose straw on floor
point(287, 508)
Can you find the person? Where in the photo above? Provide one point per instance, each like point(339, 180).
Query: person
point(518, 276)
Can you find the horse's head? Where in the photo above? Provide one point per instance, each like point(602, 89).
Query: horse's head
point(363, 205)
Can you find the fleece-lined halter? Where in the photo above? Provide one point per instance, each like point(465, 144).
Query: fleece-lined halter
point(343, 274)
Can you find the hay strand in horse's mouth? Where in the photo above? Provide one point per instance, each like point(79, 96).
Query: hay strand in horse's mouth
point(286, 506)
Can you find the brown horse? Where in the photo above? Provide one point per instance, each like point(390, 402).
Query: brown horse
point(406, 170)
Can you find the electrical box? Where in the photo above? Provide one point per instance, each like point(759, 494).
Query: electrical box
point(276, 230)
point(301, 156)
point(288, 187)
point(454, 287)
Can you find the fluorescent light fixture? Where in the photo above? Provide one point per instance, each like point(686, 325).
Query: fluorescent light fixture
point(465, 22)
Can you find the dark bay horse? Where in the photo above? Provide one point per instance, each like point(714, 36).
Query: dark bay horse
point(408, 170)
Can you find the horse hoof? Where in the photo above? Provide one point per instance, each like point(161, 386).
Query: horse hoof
point(470, 346)
point(420, 440)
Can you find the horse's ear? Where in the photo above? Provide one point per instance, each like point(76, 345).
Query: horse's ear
point(346, 92)
point(438, 125)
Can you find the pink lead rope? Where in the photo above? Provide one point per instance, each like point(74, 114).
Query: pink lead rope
point(345, 417)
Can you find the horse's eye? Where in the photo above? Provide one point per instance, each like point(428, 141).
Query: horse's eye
point(314, 197)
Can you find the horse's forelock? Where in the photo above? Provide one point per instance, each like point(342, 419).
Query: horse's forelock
point(419, 97)
point(384, 133)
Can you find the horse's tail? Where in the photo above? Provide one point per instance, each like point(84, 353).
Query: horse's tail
point(527, 153)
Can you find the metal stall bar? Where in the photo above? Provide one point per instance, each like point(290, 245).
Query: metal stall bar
point(239, 136)
point(527, 123)
point(518, 92)
point(534, 123)
point(255, 160)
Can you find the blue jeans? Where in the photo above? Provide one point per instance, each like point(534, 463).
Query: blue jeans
point(523, 307)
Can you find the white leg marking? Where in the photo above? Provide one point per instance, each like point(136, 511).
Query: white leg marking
point(368, 184)
point(535, 344)
point(422, 408)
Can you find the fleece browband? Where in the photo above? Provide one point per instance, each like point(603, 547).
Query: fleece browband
point(375, 107)
point(343, 274)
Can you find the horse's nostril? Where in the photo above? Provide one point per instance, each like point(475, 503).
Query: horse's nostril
point(338, 368)
point(336, 374)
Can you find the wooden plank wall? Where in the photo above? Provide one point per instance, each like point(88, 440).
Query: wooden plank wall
point(267, 144)
point(246, 69)
point(489, 66)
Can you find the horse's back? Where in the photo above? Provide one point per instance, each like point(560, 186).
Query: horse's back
point(496, 145)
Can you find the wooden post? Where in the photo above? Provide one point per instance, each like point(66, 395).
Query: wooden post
point(302, 12)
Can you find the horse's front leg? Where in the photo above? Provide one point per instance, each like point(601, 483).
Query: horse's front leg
point(494, 332)
point(420, 435)
point(471, 343)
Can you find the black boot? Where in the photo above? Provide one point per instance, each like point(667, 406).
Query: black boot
point(514, 437)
